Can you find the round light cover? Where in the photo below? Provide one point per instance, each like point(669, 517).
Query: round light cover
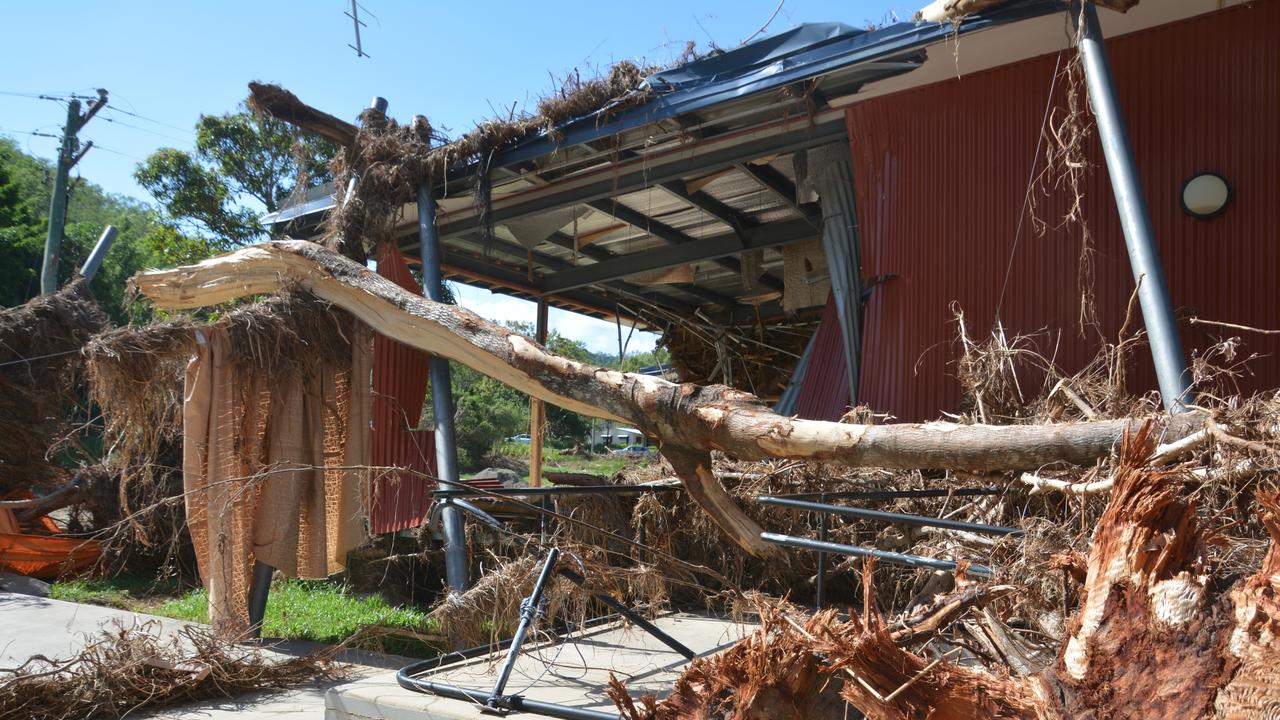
point(1205, 195)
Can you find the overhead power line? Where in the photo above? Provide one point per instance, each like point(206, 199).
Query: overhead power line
point(150, 120)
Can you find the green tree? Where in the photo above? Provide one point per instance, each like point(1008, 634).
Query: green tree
point(243, 165)
point(25, 184)
point(21, 233)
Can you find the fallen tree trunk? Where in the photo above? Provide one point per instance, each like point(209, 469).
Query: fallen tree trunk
point(1157, 635)
point(689, 420)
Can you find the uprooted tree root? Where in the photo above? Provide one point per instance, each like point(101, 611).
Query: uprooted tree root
point(40, 363)
point(1159, 633)
point(128, 669)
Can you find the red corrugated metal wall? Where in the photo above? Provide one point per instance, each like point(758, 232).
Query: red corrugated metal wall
point(824, 394)
point(940, 174)
point(399, 500)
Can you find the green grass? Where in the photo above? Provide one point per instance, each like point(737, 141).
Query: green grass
point(125, 592)
point(557, 460)
point(315, 610)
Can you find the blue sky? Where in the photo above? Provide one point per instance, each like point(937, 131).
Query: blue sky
point(455, 62)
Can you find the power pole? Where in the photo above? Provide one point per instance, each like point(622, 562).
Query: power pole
point(68, 155)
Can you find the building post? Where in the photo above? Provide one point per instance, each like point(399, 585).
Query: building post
point(537, 408)
point(456, 562)
point(1144, 255)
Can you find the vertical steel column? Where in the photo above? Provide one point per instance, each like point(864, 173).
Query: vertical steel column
point(1144, 255)
point(259, 588)
point(820, 598)
point(451, 520)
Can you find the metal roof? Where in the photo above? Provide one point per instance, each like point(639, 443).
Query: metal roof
point(699, 172)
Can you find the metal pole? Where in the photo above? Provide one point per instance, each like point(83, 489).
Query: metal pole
point(379, 104)
point(528, 613)
point(821, 595)
point(259, 588)
point(885, 555)
point(90, 267)
point(58, 203)
point(889, 517)
point(1144, 255)
point(451, 519)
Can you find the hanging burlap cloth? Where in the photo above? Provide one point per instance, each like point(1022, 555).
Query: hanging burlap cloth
point(267, 470)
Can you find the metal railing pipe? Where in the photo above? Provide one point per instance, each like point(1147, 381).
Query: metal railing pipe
point(889, 517)
point(885, 555)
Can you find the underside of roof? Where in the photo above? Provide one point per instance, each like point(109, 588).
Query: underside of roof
point(683, 202)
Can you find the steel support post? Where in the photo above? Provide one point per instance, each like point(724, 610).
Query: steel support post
point(529, 610)
point(1135, 220)
point(820, 598)
point(259, 589)
point(451, 520)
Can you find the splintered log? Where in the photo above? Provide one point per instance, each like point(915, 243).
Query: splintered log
point(688, 420)
point(1156, 636)
point(279, 103)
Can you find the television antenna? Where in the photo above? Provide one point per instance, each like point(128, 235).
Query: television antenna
point(357, 23)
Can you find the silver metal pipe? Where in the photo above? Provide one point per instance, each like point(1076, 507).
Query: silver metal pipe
point(916, 561)
point(91, 265)
point(456, 562)
point(529, 610)
point(259, 589)
point(1144, 255)
point(377, 103)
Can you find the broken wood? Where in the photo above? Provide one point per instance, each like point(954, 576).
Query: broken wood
point(689, 420)
point(281, 104)
point(1157, 635)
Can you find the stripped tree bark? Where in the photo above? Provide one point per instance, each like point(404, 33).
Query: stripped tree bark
point(688, 420)
point(1157, 635)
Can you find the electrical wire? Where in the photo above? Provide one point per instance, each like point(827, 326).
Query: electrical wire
point(31, 132)
point(96, 146)
point(122, 123)
point(113, 108)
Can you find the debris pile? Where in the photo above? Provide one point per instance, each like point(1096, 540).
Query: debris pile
point(40, 364)
point(128, 669)
point(1151, 596)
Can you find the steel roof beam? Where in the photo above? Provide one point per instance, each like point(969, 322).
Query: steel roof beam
point(780, 185)
point(762, 236)
point(736, 221)
point(668, 234)
point(600, 254)
point(644, 172)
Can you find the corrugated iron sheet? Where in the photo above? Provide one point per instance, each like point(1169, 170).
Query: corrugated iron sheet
point(400, 373)
point(940, 175)
point(824, 394)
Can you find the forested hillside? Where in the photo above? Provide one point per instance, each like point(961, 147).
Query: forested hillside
point(25, 185)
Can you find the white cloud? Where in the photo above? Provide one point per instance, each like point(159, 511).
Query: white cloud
point(598, 335)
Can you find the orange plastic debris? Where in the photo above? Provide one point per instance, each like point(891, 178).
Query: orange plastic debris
point(42, 556)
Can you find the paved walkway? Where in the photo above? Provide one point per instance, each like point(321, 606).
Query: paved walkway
point(56, 629)
point(573, 672)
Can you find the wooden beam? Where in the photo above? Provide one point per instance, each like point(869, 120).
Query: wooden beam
point(537, 409)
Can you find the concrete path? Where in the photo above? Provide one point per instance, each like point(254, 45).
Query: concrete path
point(39, 626)
point(573, 672)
